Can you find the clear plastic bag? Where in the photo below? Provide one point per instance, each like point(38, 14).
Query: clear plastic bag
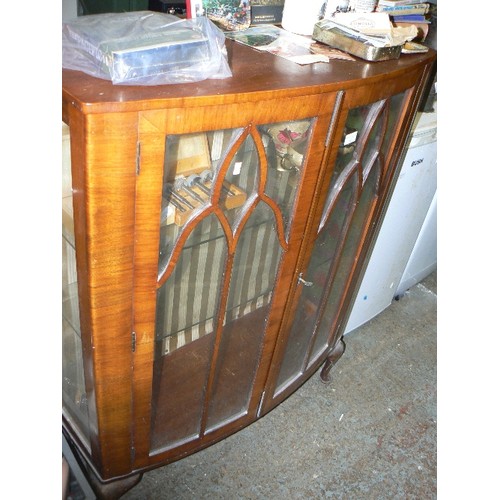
point(145, 48)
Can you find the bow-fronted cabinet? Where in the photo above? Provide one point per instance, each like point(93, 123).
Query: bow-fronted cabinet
point(214, 235)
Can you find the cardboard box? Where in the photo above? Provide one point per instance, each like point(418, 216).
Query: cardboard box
point(266, 12)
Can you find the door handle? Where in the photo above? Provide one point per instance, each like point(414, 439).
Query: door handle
point(304, 282)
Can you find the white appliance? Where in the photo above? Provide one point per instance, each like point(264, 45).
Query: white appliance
point(405, 251)
point(423, 259)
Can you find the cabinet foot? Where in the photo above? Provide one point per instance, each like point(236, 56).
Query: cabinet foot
point(92, 487)
point(331, 359)
point(115, 489)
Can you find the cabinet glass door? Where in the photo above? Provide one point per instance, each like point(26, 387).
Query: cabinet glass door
point(358, 177)
point(75, 407)
point(227, 202)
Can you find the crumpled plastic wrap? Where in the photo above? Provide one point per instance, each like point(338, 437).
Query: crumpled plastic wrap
point(145, 48)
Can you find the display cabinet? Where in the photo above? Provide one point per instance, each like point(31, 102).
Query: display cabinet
point(214, 234)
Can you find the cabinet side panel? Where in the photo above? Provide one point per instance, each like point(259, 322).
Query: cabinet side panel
point(110, 174)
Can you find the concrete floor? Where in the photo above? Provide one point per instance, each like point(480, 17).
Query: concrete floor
point(370, 434)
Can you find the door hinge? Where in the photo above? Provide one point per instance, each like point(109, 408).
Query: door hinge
point(138, 159)
point(134, 336)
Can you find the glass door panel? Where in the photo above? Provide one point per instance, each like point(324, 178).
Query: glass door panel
point(351, 199)
point(186, 317)
point(346, 263)
point(253, 274)
point(74, 397)
point(187, 302)
point(228, 196)
point(322, 260)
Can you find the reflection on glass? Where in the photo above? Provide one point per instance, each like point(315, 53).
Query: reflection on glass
point(395, 109)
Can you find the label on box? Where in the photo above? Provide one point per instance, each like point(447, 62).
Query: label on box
point(350, 137)
point(237, 167)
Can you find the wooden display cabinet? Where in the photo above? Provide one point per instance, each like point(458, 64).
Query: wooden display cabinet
point(187, 318)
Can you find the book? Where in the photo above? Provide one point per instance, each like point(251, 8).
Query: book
point(392, 3)
point(266, 11)
point(225, 14)
point(403, 10)
point(234, 15)
point(416, 18)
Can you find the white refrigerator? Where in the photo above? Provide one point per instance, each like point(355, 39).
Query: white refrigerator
point(405, 250)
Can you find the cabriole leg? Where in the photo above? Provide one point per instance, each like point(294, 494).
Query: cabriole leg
point(331, 359)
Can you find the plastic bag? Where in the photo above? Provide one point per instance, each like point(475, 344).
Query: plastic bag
point(145, 48)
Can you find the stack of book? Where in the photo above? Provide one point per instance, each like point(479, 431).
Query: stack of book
point(406, 12)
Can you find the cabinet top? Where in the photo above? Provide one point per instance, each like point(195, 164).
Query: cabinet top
point(254, 73)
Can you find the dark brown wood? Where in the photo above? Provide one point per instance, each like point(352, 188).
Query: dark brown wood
point(140, 402)
point(333, 356)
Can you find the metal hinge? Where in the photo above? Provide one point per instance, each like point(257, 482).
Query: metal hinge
point(134, 336)
point(138, 159)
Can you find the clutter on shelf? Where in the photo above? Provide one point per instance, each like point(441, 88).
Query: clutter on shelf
point(369, 29)
point(392, 27)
